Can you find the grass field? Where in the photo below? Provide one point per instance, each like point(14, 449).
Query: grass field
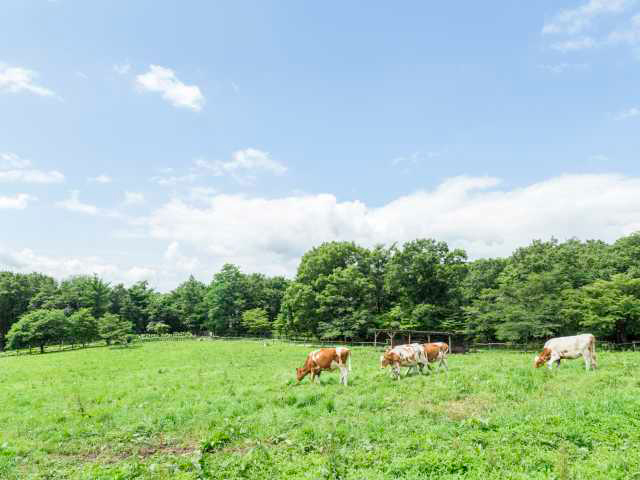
point(186, 410)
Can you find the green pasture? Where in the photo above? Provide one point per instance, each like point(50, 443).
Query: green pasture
point(227, 410)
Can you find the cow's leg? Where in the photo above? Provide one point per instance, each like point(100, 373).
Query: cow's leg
point(588, 360)
point(443, 362)
point(344, 375)
point(396, 371)
point(552, 360)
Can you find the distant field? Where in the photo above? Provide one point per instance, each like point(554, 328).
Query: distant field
point(187, 410)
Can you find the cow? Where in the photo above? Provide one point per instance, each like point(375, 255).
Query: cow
point(326, 359)
point(411, 355)
point(568, 347)
point(436, 352)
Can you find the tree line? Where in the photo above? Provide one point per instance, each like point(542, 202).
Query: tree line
point(342, 291)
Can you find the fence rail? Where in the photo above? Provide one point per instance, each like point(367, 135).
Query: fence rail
point(314, 342)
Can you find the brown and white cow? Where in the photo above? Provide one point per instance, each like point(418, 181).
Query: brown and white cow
point(568, 347)
point(326, 359)
point(411, 355)
point(436, 352)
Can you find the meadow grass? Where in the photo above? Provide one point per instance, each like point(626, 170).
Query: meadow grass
point(188, 410)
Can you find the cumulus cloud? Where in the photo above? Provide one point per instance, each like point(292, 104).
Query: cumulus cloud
point(26, 261)
point(559, 68)
point(590, 17)
point(173, 180)
point(14, 169)
point(174, 256)
point(576, 20)
point(133, 198)
point(244, 165)
point(473, 213)
point(122, 69)
point(201, 194)
point(100, 179)
point(18, 79)
point(19, 201)
point(74, 204)
point(163, 80)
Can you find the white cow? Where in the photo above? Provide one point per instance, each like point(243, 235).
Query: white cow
point(568, 347)
point(411, 356)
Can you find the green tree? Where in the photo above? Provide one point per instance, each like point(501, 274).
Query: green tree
point(162, 308)
point(135, 307)
point(610, 308)
point(256, 321)
point(189, 301)
point(112, 328)
point(424, 277)
point(39, 328)
point(226, 299)
point(298, 312)
point(159, 328)
point(82, 326)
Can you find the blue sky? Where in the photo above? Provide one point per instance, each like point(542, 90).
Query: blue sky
point(151, 140)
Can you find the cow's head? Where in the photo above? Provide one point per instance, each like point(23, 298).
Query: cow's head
point(300, 374)
point(542, 358)
point(386, 359)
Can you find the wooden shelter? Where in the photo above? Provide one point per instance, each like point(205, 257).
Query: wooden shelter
point(416, 334)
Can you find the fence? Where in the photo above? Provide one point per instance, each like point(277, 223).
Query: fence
point(314, 342)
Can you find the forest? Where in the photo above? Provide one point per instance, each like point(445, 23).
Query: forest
point(342, 291)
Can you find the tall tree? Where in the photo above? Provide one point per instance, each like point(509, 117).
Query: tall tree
point(189, 299)
point(226, 299)
point(39, 328)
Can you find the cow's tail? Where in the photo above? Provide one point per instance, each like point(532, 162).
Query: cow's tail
point(592, 350)
point(349, 360)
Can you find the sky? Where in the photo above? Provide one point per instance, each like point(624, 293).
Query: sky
point(154, 140)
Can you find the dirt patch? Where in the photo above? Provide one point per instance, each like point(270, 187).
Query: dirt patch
point(107, 456)
point(470, 406)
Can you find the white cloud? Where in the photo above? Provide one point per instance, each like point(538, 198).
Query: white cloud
point(74, 204)
point(100, 179)
point(14, 169)
point(173, 180)
point(176, 258)
point(559, 68)
point(26, 261)
point(201, 194)
point(163, 80)
point(629, 35)
point(19, 201)
point(629, 113)
point(582, 43)
point(590, 17)
point(122, 69)
point(133, 198)
point(10, 161)
point(576, 20)
point(244, 165)
point(18, 79)
point(270, 235)
point(414, 158)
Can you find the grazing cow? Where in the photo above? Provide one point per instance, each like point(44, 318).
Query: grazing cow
point(568, 347)
point(436, 352)
point(411, 356)
point(326, 359)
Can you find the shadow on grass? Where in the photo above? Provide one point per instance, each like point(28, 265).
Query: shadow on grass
point(124, 347)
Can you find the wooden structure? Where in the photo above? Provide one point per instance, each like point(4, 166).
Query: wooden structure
point(392, 332)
